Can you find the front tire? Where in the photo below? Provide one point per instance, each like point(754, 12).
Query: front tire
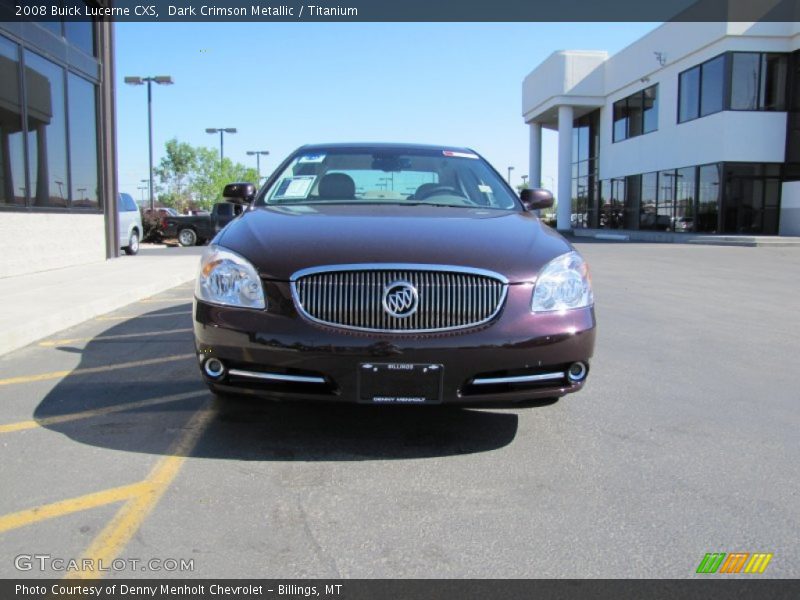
point(187, 237)
point(133, 244)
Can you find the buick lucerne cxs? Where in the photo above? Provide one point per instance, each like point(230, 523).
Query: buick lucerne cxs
point(392, 273)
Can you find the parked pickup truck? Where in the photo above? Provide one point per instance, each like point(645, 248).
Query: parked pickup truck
point(194, 230)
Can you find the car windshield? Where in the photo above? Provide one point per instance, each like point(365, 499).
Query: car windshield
point(425, 176)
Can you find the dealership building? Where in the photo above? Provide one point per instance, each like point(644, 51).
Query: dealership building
point(694, 128)
point(57, 145)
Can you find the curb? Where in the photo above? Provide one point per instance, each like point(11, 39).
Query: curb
point(17, 337)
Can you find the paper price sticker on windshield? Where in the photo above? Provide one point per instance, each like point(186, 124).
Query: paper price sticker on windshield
point(295, 187)
point(459, 154)
point(311, 158)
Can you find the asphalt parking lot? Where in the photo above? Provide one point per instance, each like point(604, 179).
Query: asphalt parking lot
point(685, 441)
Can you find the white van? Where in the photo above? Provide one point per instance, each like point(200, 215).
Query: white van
point(130, 224)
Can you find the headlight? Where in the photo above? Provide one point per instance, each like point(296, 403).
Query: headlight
point(227, 278)
point(563, 283)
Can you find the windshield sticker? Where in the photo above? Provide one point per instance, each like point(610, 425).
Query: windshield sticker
point(486, 189)
point(459, 154)
point(311, 158)
point(295, 187)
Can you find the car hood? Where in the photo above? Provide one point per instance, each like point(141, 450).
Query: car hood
point(281, 240)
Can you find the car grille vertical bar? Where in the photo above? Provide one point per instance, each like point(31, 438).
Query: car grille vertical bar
point(352, 297)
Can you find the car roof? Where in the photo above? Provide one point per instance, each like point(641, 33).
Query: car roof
point(381, 146)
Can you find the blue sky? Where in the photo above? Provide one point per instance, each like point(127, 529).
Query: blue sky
point(287, 84)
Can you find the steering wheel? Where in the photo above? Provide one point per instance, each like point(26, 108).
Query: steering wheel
point(440, 190)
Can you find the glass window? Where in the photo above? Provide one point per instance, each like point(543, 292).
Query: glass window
point(583, 142)
point(650, 105)
point(580, 203)
point(54, 26)
point(620, 120)
point(81, 35)
point(389, 176)
point(666, 200)
point(611, 210)
point(47, 132)
point(773, 81)
point(744, 81)
point(635, 115)
point(647, 201)
point(712, 87)
point(127, 203)
point(12, 155)
point(683, 221)
point(689, 101)
point(83, 142)
point(751, 198)
point(707, 198)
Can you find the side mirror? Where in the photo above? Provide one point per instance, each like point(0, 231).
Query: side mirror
point(534, 199)
point(239, 193)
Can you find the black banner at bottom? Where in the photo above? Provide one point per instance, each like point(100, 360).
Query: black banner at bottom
point(405, 589)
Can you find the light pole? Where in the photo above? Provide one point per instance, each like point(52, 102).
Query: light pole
point(258, 154)
point(509, 174)
point(160, 80)
point(221, 131)
point(142, 188)
point(524, 179)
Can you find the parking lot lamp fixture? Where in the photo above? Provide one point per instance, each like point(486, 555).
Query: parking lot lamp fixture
point(160, 80)
point(258, 154)
point(221, 131)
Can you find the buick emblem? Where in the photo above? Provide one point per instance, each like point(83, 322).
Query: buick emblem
point(400, 299)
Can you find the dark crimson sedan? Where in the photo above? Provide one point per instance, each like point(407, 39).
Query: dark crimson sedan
point(396, 274)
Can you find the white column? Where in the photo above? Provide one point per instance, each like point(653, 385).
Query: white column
point(564, 168)
point(535, 155)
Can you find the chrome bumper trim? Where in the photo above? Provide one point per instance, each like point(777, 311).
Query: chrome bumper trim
point(517, 379)
point(276, 376)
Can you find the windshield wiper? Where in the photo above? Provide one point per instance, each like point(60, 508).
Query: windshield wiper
point(423, 203)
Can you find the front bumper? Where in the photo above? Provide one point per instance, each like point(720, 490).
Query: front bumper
point(317, 362)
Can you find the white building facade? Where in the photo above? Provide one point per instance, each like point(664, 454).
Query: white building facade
point(693, 128)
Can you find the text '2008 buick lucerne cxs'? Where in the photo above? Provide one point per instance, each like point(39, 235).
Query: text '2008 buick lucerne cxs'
point(396, 274)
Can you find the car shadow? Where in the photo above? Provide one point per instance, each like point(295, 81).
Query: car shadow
point(138, 385)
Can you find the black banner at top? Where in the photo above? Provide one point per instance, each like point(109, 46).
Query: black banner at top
point(400, 10)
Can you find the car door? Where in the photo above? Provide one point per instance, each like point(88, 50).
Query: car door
point(127, 212)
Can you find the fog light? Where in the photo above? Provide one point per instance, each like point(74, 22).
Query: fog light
point(214, 368)
point(577, 372)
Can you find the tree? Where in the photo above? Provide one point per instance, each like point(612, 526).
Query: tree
point(174, 171)
point(210, 176)
point(192, 176)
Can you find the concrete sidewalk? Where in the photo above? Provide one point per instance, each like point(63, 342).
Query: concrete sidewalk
point(40, 304)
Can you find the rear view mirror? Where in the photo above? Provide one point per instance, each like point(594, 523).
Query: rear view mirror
point(534, 199)
point(239, 193)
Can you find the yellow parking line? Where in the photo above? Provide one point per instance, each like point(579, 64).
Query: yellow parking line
point(128, 317)
point(121, 336)
point(88, 370)
point(129, 518)
point(65, 507)
point(87, 414)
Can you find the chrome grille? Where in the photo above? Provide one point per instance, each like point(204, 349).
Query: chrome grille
point(352, 297)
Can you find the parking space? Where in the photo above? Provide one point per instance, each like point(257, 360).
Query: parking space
point(683, 442)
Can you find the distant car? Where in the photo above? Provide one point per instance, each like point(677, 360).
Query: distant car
point(682, 223)
point(195, 229)
point(130, 224)
point(446, 289)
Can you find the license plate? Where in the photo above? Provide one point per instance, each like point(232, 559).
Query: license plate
point(400, 383)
